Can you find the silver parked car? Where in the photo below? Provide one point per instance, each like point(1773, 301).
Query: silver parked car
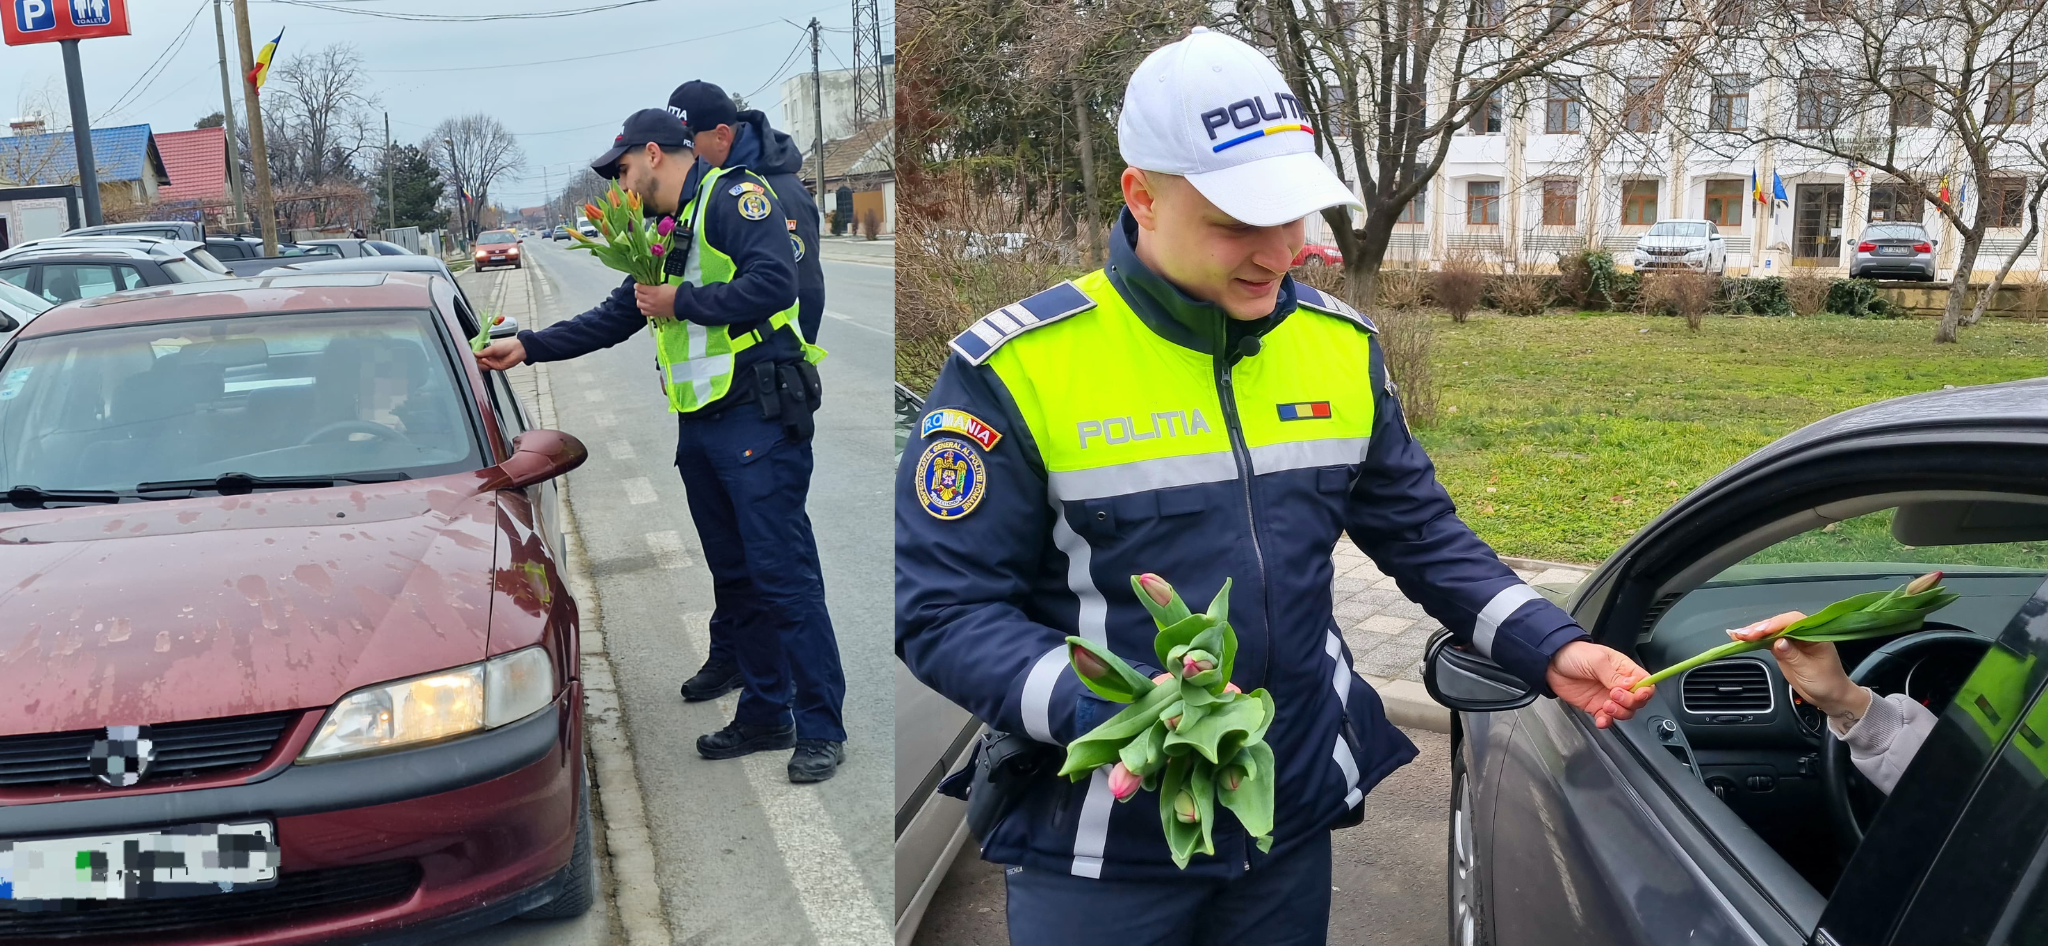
point(1894, 251)
point(18, 306)
point(1726, 811)
point(1682, 244)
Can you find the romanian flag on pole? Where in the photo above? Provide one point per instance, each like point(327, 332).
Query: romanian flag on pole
point(1944, 189)
point(262, 70)
point(1756, 186)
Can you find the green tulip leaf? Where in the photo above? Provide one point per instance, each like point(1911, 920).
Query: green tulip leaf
point(1252, 802)
point(1178, 634)
point(1202, 782)
point(1121, 685)
point(1181, 837)
point(1102, 744)
point(1241, 717)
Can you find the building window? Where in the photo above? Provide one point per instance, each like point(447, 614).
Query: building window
point(1724, 202)
point(1339, 110)
point(1487, 118)
point(1412, 213)
point(1913, 97)
point(2012, 94)
point(1820, 101)
point(1643, 106)
point(1728, 109)
point(1638, 203)
point(1482, 203)
point(1894, 203)
point(2005, 202)
point(1560, 203)
point(1561, 114)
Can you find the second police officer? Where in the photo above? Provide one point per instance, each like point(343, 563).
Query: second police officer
point(1189, 410)
point(743, 385)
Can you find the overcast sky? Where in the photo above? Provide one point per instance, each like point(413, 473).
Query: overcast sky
point(564, 112)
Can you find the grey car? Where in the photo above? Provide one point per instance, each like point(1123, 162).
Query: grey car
point(1894, 251)
point(1725, 812)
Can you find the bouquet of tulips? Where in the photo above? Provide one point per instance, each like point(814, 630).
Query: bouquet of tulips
point(628, 242)
point(1871, 614)
point(1193, 736)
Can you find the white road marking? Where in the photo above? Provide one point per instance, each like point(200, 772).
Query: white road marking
point(850, 320)
point(639, 492)
point(668, 550)
point(835, 899)
point(604, 419)
point(620, 449)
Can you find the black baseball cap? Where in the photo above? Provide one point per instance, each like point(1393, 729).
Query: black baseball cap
point(646, 126)
point(702, 106)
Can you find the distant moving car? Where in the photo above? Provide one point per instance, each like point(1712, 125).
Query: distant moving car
point(497, 248)
point(1726, 811)
point(1894, 251)
point(18, 306)
point(586, 228)
point(1682, 244)
point(559, 233)
point(66, 268)
point(316, 555)
point(1321, 253)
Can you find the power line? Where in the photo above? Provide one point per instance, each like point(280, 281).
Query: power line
point(331, 7)
point(786, 62)
point(158, 64)
point(604, 55)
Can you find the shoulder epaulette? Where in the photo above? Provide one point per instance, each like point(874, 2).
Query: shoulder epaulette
point(989, 332)
point(1309, 297)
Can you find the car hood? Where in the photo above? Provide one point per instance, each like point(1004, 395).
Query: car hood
point(226, 605)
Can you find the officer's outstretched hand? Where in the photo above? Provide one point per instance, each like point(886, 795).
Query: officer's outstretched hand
point(656, 302)
point(500, 355)
point(1597, 679)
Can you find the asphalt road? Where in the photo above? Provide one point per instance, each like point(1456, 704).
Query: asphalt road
point(741, 856)
point(1387, 876)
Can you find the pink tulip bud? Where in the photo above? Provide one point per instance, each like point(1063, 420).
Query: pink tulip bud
point(1087, 664)
point(666, 226)
point(1173, 722)
point(1188, 667)
point(1231, 688)
point(1233, 776)
point(1123, 783)
point(1157, 588)
point(1923, 583)
point(1184, 808)
point(657, 249)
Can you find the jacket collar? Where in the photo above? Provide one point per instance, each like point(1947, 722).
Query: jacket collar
point(1172, 314)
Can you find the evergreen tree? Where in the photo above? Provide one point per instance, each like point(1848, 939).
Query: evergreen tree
point(416, 190)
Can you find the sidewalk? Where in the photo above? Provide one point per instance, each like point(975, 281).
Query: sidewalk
point(1387, 633)
point(857, 249)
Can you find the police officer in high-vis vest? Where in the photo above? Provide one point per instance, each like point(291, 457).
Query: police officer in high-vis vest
point(1191, 411)
point(743, 385)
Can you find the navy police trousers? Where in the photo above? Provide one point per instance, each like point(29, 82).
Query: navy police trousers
point(1283, 901)
point(747, 483)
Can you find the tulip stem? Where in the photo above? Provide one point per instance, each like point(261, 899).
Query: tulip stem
point(1729, 649)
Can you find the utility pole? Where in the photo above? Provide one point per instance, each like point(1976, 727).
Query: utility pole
point(390, 201)
point(227, 113)
point(81, 134)
point(547, 200)
point(265, 207)
point(817, 115)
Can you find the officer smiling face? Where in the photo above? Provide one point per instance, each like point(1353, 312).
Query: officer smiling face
point(1207, 253)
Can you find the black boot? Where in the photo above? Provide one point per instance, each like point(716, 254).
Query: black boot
point(738, 739)
point(816, 760)
point(713, 680)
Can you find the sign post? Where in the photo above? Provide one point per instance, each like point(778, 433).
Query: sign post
point(26, 22)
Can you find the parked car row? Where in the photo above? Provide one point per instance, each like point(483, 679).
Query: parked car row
point(1883, 251)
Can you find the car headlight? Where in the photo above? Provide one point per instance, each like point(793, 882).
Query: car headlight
point(513, 251)
point(437, 706)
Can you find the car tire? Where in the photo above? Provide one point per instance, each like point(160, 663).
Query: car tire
point(1466, 921)
point(579, 878)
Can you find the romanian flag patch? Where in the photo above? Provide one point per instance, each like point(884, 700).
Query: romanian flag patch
point(1305, 410)
point(960, 422)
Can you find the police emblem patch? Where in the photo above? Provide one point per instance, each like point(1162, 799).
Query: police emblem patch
point(797, 243)
point(753, 206)
point(745, 187)
point(950, 479)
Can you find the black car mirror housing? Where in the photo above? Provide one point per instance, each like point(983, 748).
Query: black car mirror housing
point(1469, 683)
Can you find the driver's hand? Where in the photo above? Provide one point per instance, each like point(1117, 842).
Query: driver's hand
point(1596, 679)
point(502, 354)
point(1812, 667)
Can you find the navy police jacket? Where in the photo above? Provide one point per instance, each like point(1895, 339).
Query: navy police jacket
point(1014, 529)
point(764, 282)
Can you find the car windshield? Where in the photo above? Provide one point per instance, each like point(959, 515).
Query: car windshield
point(306, 249)
point(207, 261)
point(1895, 233)
point(298, 395)
point(22, 301)
point(1674, 228)
point(498, 237)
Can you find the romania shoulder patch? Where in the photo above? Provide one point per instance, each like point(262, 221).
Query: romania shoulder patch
point(960, 422)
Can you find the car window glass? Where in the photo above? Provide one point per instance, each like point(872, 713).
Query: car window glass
point(65, 282)
point(226, 250)
point(17, 275)
point(186, 271)
point(207, 261)
point(288, 395)
point(19, 300)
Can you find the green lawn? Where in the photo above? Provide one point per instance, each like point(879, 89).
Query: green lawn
point(1561, 435)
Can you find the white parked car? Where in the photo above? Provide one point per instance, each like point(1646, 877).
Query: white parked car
point(18, 306)
point(1682, 244)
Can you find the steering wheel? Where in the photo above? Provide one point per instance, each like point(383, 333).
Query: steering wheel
point(354, 427)
point(1836, 769)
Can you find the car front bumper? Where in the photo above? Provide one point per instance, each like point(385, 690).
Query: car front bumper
point(482, 827)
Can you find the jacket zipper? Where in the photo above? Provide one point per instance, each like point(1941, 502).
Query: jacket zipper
point(1243, 455)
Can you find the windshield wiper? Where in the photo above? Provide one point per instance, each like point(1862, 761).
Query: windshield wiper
point(31, 497)
point(236, 484)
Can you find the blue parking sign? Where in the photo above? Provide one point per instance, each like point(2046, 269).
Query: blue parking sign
point(91, 12)
point(35, 16)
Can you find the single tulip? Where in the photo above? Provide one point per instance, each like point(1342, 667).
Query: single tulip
point(1088, 664)
point(666, 226)
point(1156, 588)
point(657, 249)
point(1123, 783)
point(1184, 808)
point(613, 196)
point(1232, 777)
point(591, 211)
point(1173, 722)
point(1189, 666)
point(1923, 583)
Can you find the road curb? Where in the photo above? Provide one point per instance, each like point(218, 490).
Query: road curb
point(1408, 705)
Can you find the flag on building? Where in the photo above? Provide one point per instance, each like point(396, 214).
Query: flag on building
point(1778, 189)
point(1962, 193)
point(465, 194)
point(1756, 187)
point(262, 70)
point(1943, 195)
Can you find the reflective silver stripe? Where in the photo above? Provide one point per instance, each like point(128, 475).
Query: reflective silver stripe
point(1349, 765)
point(1094, 831)
point(699, 370)
point(1142, 476)
point(1037, 698)
point(986, 333)
point(1002, 322)
point(1496, 611)
point(1357, 795)
point(1017, 311)
point(1305, 454)
point(1341, 680)
point(700, 343)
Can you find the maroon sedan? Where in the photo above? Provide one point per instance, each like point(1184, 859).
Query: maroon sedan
point(285, 656)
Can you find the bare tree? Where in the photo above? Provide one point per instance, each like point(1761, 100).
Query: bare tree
point(317, 117)
point(472, 152)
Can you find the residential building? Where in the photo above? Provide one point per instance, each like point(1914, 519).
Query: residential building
point(840, 94)
point(131, 169)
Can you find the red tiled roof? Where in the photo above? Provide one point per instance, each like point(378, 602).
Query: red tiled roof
point(198, 164)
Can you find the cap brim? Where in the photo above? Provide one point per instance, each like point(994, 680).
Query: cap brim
point(1276, 190)
point(607, 164)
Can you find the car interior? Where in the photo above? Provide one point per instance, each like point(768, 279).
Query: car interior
point(288, 395)
point(1741, 729)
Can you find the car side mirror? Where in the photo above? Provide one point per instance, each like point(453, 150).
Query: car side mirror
point(506, 327)
point(7, 323)
point(537, 456)
point(1467, 682)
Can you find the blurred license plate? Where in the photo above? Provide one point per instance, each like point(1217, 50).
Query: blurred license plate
point(174, 862)
point(1894, 251)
